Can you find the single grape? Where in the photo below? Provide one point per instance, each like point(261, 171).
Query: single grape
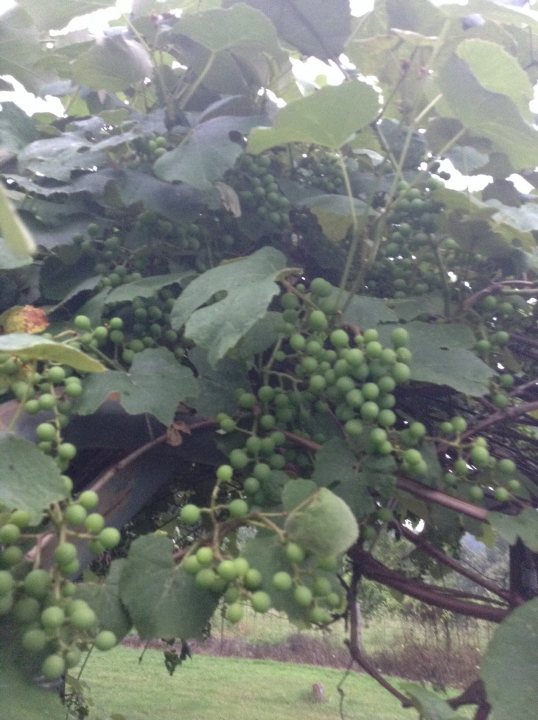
point(37, 583)
point(252, 579)
point(52, 617)
point(88, 499)
point(109, 538)
point(238, 508)
point(204, 555)
point(205, 578)
point(9, 533)
point(234, 612)
point(46, 432)
point(94, 523)
point(282, 580)
point(83, 618)
point(7, 583)
point(227, 570)
point(53, 667)
point(65, 553)
point(75, 514)
point(294, 552)
point(66, 451)
point(105, 640)
point(34, 640)
point(190, 514)
point(261, 601)
point(302, 595)
point(224, 473)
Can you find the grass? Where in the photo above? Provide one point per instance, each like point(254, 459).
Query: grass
point(211, 688)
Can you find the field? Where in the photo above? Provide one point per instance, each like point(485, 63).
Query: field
point(215, 688)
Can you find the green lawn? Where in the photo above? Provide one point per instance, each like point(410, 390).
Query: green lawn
point(210, 688)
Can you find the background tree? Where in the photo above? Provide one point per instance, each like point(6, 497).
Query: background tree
point(279, 322)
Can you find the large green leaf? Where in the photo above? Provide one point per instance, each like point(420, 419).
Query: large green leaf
point(225, 29)
point(249, 285)
point(20, 697)
point(35, 347)
point(368, 312)
point(334, 214)
point(155, 384)
point(30, 480)
point(315, 27)
point(217, 385)
point(16, 128)
point(145, 287)
point(161, 597)
point(20, 49)
point(442, 355)
point(329, 117)
point(55, 14)
point(429, 705)
point(113, 63)
point(13, 231)
point(523, 526)
point(206, 153)
point(509, 667)
point(491, 115)
point(498, 72)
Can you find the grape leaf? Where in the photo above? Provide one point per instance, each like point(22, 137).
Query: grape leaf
point(523, 526)
point(329, 117)
point(218, 327)
point(30, 480)
point(296, 491)
point(430, 705)
point(14, 232)
point(112, 63)
point(509, 667)
point(145, 287)
point(35, 347)
point(155, 384)
point(206, 153)
point(161, 597)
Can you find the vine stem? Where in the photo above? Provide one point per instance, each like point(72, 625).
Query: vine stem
point(354, 644)
point(356, 239)
point(196, 84)
point(501, 416)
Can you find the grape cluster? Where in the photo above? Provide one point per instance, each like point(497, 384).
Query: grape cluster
point(253, 178)
point(53, 624)
point(319, 168)
point(406, 263)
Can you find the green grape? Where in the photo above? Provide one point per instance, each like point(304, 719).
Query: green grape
point(52, 617)
point(9, 533)
point(386, 418)
point(251, 485)
point(322, 586)
point(53, 667)
point(400, 372)
point(7, 583)
point(261, 601)
point(399, 337)
point(34, 640)
point(109, 538)
point(46, 432)
point(47, 401)
point(65, 553)
point(234, 613)
point(105, 640)
point(11, 556)
point(246, 401)
point(480, 456)
point(412, 456)
point(190, 514)
point(302, 595)
point(294, 553)
point(262, 472)
point(514, 485)
point(191, 565)
point(238, 508)
point(502, 494)
point(227, 570)
point(205, 578)
point(56, 374)
point(83, 618)
point(353, 428)
point(26, 610)
point(238, 459)
point(297, 342)
point(75, 514)
point(94, 523)
point(318, 320)
point(225, 473)
point(339, 338)
point(241, 566)
point(66, 451)
point(417, 430)
point(320, 287)
point(89, 499)
point(319, 615)
point(82, 322)
point(204, 555)
point(369, 410)
point(32, 407)
point(476, 494)
point(72, 657)
point(282, 580)
point(252, 579)
point(37, 583)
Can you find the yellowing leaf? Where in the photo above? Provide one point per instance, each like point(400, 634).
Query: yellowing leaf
point(23, 319)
